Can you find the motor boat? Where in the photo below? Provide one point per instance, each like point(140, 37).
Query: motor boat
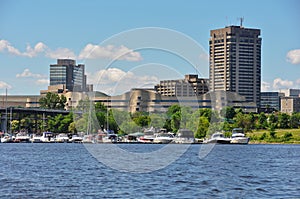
point(22, 138)
point(218, 138)
point(76, 139)
point(88, 139)
point(238, 136)
point(184, 136)
point(163, 138)
point(7, 138)
point(148, 137)
point(62, 137)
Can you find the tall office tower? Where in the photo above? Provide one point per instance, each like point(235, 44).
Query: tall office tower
point(66, 72)
point(235, 61)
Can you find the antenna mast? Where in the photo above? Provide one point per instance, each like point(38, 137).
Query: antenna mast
point(241, 20)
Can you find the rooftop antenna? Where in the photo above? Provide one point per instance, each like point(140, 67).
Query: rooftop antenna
point(241, 21)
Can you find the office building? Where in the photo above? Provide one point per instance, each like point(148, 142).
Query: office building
point(235, 61)
point(191, 85)
point(270, 101)
point(68, 74)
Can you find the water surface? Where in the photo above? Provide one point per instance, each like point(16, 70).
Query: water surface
point(67, 170)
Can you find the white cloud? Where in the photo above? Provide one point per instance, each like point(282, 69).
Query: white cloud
point(27, 73)
point(278, 83)
point(30, 52)
point(114, 81)
point(91, 51)
point(4, 85)
point(33, 52)
point(60, 53)
point(293, 56)
point(42, 82)
point(265, 86)
point(6, 46)
point(298, 81)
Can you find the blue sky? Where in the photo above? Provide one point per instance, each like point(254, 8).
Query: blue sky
point(34, 33)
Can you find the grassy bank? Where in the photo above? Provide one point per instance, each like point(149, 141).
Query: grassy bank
point(281, 136)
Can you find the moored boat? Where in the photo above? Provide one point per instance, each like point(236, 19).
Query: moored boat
point(217, 138)
point(7, 138)
point(22, 138)
point(62, 137)
point(238, 136)
point(184, 136)
point(163, 138)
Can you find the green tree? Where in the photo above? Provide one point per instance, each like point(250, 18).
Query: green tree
point(157, 120)
point(186, 114)
point(206, 112)
point(262, 121)
point(202, 127)
point(53, 101)
point(228, 113)
point(283, 120)
point(14, 125)
point(295, 120)
point(175, 121)
point(72, 128)
point(244, 121)
point(174, 118)
point(141, 119)
point(60, 123)
point(175, 108)
point(129, 127)
point(272, 119)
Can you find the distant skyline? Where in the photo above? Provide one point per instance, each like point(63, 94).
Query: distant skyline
point(33, 34)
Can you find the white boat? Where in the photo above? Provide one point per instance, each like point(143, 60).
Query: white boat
point(62, 137)
point(88, 139)
point(148, 137)
point(76, 139)
point(22, 138)
point(36, 139)
point(7, 138)
point(218, 138)
point(184, 136)
point(163, 138)
point(110, 138)
point(238, 136)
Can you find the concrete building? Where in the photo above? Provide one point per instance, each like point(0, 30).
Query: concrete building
point(24, 101)
point(67, 73)
point(191, 85)
point(290, 105)
point(148, 100)
point(235, 61)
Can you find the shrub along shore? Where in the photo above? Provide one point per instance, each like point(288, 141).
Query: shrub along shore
point(279, 136)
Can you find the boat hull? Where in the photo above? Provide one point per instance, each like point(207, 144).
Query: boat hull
point(218, 142)
point(244, 140)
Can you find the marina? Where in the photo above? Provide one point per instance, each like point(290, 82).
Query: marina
point(183, 136)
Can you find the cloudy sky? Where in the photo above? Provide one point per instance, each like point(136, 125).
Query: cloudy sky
point(120, 50)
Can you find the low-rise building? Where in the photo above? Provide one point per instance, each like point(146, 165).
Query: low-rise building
point(290, 104)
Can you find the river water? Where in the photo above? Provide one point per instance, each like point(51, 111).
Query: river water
point(68, 170)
